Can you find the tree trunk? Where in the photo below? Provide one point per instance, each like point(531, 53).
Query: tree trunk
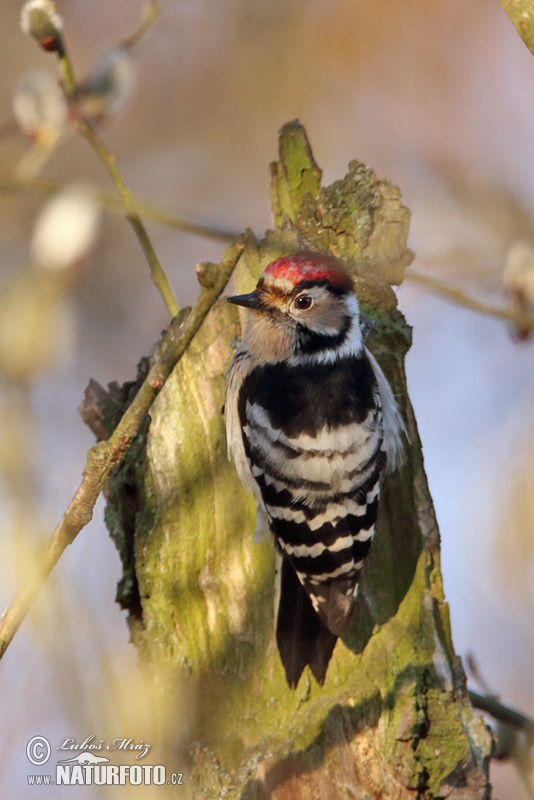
point(393, 719)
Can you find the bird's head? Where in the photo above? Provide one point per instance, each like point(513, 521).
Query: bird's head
point(303, 306)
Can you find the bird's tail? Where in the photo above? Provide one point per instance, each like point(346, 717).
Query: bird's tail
point(301, 635)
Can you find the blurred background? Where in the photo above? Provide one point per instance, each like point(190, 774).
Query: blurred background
point(439, 99)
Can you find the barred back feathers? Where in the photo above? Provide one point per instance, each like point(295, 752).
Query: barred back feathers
point(311, 423)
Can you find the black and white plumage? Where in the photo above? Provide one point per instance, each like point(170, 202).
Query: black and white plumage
point(311, 423)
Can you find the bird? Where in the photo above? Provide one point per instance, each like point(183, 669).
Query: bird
point(312, 425)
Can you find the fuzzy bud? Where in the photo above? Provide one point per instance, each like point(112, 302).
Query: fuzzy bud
point(65, 229)
point(39, 19)
point(108, 86)
point(39, 107)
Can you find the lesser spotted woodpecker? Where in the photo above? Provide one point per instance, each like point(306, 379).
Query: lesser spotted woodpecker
point(311, 423)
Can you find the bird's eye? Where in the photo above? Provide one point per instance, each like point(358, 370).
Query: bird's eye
point(303, 302)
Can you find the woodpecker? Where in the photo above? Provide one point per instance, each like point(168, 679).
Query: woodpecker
point(311, 424)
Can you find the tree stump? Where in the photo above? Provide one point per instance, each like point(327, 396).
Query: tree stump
point(393, 719)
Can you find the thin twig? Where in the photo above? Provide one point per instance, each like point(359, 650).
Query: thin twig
point(110, 202)
point(503, 713)
point(105, 456)
point(158, 275)
point(514, 724)
point(476, 675)
point(108, 159)
point(519, 318)
point(149, 16)
point(66, 68)
point(35, 157)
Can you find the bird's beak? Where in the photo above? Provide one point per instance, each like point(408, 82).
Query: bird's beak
point(251, 300)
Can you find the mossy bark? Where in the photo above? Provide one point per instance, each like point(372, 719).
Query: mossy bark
point(393, 719)
point(521, 13)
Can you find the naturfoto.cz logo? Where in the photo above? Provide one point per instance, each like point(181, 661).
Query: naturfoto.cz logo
point(86, 768)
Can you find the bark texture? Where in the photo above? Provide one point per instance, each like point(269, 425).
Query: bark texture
point(393, 719)
point(521, 13)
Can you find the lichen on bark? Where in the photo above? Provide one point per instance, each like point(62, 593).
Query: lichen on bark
point(393, 719)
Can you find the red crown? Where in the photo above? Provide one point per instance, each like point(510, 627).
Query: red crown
point(307, 266)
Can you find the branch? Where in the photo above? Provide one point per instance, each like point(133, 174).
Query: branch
point(517, 317)
point(157, 273)
point(475, 674)
point(108, 159)
point(149, 17)
point(105, 456)
point(110, 202)
point(509, 716)
point(514, 736)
